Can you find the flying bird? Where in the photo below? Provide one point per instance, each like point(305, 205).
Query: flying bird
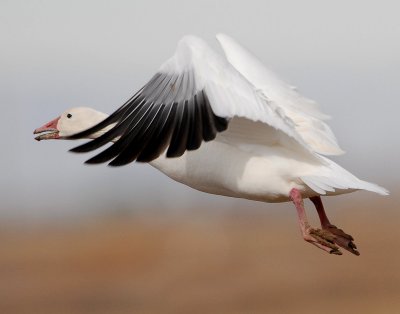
point(226, 126)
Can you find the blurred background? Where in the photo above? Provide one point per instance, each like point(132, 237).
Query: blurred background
point(81, 239)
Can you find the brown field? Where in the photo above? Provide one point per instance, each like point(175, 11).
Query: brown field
point(242, 262)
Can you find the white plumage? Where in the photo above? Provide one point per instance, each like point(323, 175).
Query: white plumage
point(262, 141)
point(282, 151)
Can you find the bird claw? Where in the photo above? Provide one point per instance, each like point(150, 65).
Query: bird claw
point(322, 239)
point(342, 239)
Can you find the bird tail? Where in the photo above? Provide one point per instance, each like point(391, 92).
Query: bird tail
point(329, 185)
point(338, 180)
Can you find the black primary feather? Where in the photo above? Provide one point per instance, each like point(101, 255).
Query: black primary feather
point(167, 114)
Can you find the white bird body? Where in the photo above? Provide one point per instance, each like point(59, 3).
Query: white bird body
point(232, 126)
point(260, 173)
point(267, 177)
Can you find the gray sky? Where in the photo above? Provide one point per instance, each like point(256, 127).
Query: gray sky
point(60, 54)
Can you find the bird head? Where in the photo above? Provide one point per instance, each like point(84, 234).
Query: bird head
point(68, 123)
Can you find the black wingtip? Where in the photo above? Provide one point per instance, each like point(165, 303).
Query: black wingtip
point(93, 161)
point(87, 162)
point(115, 164)
point(99, 158)
point(78, 149)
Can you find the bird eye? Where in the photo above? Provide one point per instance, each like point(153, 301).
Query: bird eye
point(69, 115)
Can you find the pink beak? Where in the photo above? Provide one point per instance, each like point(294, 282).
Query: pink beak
point(49, 130)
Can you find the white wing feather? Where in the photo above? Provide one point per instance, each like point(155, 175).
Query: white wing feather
point(263, 109)
point(307, 118)
point(230, 93)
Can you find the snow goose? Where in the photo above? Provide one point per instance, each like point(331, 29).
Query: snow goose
point(224, 126)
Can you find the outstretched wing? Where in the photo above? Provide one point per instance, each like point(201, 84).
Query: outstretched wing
point(167, 112)
point(304, 112)
point(189, 100)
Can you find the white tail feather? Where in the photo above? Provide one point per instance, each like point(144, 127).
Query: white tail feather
point(338, 178)
point(322, 185)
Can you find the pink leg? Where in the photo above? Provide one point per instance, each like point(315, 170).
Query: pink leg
point(320, 238)
point(342, 239)
point(321, 211)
